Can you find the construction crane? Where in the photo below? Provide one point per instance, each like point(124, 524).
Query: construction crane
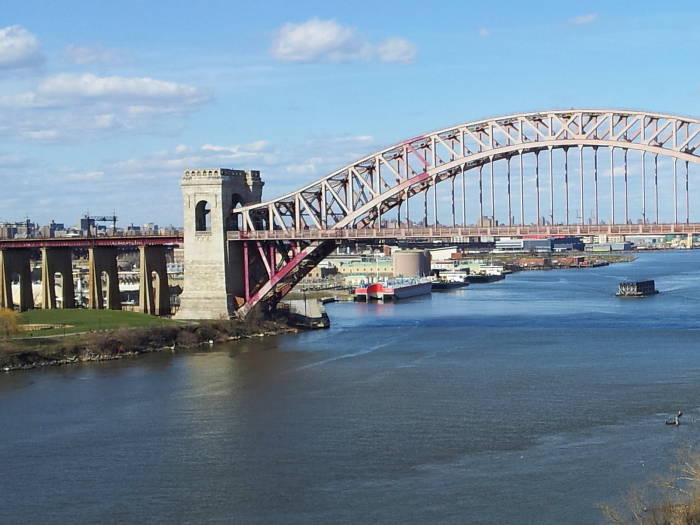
point(94, 219)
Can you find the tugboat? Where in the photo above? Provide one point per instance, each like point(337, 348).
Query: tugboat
point(451, 280)
point(486, 274)
point(636, 289)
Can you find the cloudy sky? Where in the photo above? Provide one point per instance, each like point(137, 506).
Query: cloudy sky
point(102, 105)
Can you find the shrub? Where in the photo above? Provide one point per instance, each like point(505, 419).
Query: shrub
point(9, 321)
point(670, 500)
point(206, 332)
point(186, 338)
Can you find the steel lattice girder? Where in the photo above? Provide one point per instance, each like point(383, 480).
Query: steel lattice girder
point(359, 193)
point(352, 199)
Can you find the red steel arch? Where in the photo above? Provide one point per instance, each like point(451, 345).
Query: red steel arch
point(350, 202)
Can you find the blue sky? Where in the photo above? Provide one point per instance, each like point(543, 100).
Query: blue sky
point(102, 105)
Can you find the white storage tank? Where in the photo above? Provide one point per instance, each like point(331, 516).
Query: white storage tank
point(411, 263)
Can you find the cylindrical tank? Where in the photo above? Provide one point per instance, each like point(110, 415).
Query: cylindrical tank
point(411, 263)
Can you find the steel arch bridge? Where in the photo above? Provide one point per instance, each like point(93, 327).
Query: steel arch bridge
point(394, 193)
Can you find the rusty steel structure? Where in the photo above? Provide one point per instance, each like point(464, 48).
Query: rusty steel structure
point(393, 193)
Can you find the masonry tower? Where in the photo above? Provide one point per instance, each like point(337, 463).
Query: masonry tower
point(213, 265)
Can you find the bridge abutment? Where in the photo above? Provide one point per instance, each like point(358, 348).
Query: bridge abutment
point(16, 262)
point(213, 265)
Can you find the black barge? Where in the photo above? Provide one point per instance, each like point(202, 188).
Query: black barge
point(636, 289)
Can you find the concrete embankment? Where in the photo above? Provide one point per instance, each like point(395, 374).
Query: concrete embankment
point(306, 313)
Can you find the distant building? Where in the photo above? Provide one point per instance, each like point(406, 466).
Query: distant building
point(523, 245)
point(442, 254)
point(487, 222)
point(87, 224)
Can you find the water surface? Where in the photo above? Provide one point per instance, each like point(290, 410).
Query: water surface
point(528, 400)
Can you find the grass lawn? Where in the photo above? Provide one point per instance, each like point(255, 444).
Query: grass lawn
point(85, 320)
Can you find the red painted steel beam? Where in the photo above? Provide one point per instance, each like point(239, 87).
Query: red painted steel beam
point(470, 231)
point(89, 242)
point(246, 272)
point(251, 301)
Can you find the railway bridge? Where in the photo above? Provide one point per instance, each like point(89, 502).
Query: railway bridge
point(573, 172)
point(103, 279)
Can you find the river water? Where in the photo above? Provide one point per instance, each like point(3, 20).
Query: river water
point(529, 400)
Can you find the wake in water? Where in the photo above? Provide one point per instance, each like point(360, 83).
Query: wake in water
point(350, 355)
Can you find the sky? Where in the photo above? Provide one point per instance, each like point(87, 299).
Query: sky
point(104, 104)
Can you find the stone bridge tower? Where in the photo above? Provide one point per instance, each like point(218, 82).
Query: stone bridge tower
point(213, 275)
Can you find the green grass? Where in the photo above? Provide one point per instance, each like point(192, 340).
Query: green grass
point(86, 320)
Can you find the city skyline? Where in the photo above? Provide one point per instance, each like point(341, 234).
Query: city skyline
point(104, 109)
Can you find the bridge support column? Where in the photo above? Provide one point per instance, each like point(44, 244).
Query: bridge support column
point(53, 261)
point(103, 260)
point(16, 261)
point(213, 265)
point(154, 293)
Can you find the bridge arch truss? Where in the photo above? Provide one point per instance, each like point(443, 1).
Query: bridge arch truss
point(379, 192)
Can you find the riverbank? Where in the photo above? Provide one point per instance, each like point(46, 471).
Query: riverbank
point(28, 353)
point(518, 262)
point(510, 262)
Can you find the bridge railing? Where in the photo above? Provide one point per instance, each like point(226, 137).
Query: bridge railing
point(468, 231)
point(86, 242)
point(38, 235)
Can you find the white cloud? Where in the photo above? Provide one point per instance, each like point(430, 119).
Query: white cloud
point(43, 134)
point(584, 19)
point(74, 105)
point(23, 100)
point(397, 50)
point(105, 121)
point(319, 40)
point(141, 110)
point(484, 32)
point(286, 166)
point(69, 85)
point(316, 40)
point(85, 175)
point(181, 148)
point(10, 160)
point(256, 146)
point(18, 48)
point(307, 167)
point(82, 55)
point(183, 156)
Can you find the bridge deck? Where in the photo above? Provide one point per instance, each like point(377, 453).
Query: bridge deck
point(449, 232)
point(89, 242)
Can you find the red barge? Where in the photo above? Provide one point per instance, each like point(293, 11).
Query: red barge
point(393, 290)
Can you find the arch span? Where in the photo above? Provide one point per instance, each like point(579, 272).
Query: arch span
point(378, 192)
point(359, 194)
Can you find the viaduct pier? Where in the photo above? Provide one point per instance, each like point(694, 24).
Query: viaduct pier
point(103, 280)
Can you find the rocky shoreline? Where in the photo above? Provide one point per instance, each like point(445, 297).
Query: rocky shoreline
point(129, 343)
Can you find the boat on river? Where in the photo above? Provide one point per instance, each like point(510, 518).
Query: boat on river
point(451, 280)
point(636, 289)
point(393, 289)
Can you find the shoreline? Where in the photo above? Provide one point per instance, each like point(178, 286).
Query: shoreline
point(121, 343)
point(125, 343)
